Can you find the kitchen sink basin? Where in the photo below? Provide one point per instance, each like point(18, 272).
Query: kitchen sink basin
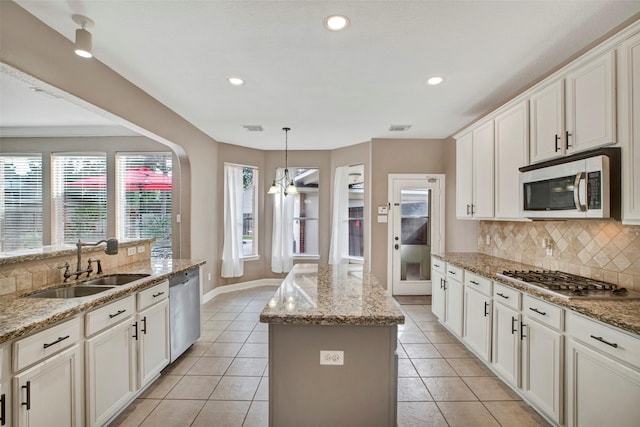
point(71, 292)
point(114, 280)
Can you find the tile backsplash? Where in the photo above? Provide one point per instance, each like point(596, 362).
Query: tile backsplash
point(603, 250)
point(33, 273)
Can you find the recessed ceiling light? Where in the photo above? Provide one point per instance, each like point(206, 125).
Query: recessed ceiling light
point(336, 22)
point(236, 81)
point(434, 81)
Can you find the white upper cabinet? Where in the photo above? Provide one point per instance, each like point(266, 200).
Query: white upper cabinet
point(464, 177)
point(474, 173)
point(547, 122)
point(629, 85)
point(591, 101)
point(511, 149)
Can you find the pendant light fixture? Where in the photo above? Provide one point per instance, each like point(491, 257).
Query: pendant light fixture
point(83, 37)
point(285, 183)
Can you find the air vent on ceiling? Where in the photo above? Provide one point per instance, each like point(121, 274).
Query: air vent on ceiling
point(253, 128)
point(399, 128)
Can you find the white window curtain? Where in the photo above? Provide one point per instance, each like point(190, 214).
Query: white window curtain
point(339, 249)
point(232, 262)
point(282, 237)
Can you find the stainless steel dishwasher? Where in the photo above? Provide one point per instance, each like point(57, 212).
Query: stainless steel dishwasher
point(184, 307)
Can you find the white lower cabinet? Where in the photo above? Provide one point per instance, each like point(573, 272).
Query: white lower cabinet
point(542, 362)
point(505, 357)
point(477, 315)
point(50, 393)
point(5, 385)
point(438, 297)
point(454, 299)
point(111, 360)
point(153, 341)
point(603, 375)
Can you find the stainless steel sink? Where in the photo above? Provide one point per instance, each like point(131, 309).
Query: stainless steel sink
point(71, 292)
point(114, 280)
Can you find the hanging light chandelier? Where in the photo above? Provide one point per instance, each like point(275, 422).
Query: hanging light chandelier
point(284, 183)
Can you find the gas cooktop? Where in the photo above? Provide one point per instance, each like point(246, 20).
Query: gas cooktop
point(567, 285)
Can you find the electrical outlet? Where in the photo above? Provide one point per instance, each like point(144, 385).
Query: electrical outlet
point(140, 249)
point(487, 240)
point(209, 277)
point(331, 357)
point(131, 251)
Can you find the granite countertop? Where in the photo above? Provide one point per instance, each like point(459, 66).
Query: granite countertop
point(622, 314)
point(20, 316)
point(314, 294)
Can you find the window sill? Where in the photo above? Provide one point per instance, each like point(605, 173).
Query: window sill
point(251, 258)
point(356, 260)
point(306, 257)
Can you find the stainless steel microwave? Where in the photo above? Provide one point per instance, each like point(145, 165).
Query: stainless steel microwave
point(586, 185)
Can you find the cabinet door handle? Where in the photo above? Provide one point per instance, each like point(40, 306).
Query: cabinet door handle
point(45, 345)
point(602, 340)
point(436, 265)
point(567, 135)
point(452, 272)
point(474, 282)
point(486, 306)
point(557, 141)
point(3, 409)
point(144, 325)
point(468, 209)
point(118, 313)
point(28, 402)
point(135, 329)
point(444, 284)
point(473, 209)
point(162, 293)
point(502, 295)
point(514, 322)
point(522, 335)
point(542, 313)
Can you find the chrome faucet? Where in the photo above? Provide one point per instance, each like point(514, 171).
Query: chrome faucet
point(111, 249)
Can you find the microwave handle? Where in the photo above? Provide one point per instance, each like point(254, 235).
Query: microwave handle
point(580, 176)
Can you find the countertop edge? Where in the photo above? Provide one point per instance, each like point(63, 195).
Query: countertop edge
point(68, 308)
point(578, 306)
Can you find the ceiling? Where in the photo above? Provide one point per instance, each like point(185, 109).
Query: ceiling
point(333, 89)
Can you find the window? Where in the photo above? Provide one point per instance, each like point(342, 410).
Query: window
point(20, 202)
point(249, 211)
point(143, 194)
point(356, 211)
point(305, 212)
point(79, 191)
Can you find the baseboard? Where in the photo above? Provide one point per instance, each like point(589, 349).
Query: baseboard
point(238, 287)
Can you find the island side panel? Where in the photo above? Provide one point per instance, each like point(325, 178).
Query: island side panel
point(362, 392)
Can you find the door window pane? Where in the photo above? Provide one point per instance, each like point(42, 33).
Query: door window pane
point(415, 234)
point(306, 211)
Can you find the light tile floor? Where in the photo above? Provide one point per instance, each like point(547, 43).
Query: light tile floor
point(223, 379)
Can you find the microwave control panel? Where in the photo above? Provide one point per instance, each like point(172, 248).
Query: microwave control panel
point(594, 190)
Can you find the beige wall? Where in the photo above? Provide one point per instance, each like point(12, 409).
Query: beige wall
point(35, 49)
point(423, 156)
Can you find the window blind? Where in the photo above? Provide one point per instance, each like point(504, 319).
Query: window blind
point(20, 202)
point(143, 194)
point(79, 192)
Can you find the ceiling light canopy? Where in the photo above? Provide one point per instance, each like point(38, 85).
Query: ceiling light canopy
point(83, 47)
point(285, 183)
point(235, 81)
point(436, 80)
point(336, 22)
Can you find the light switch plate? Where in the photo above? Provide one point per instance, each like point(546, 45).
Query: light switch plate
point(140, 249)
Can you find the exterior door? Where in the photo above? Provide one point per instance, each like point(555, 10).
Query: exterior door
point(417, 229)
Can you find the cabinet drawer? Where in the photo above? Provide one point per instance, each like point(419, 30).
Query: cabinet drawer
point(438, 265)
point(36, 347)
point(110, 314)
point(543, 312)
point(455, 273)
point(479, 283)
point(153, 295)
point(507, 296)
point(605, 338)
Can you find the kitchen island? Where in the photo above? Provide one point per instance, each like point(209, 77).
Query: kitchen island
point(332, 349)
